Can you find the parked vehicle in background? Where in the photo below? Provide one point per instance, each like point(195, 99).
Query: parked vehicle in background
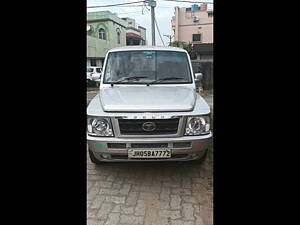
point(93, 76)
point(147, 108)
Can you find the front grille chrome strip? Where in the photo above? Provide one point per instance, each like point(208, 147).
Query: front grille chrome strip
point(116, 126)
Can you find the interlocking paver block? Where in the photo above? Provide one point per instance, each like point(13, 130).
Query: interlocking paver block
point(132, 198)
point(113, 219)
point(175, 202)
point(199, 220)
point(115, 199)
point(206, 215)
point(164, 205)
point(96, 177)
point(170, 213)
point(188, 211)
point(165, 194)
point(92, 213)
point(148, 196)
point(127, 209)
point(93, 191)
point(140, 208)
point(181, 191)
point(118, 183)
point(112, 176)
point(189, 199)
point(125, 189)
point(171, 184)
point(116, 209)
point(104, 210)
point(108, 191)
point(97, 202)
point(186, 182)
point(104, 184)
point(95, 222)
point(182, 222)
point(132, 220)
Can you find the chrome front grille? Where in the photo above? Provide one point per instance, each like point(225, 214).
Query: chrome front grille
point(136, 126)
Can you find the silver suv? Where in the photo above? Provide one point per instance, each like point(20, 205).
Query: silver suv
point(147, 108)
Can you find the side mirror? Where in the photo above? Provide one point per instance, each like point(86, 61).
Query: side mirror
point(198, 76)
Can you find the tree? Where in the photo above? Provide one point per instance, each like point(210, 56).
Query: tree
point(180, 44)
point(186, 46)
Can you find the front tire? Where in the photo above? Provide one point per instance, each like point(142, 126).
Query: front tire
point(94, 159)
point(202, 159)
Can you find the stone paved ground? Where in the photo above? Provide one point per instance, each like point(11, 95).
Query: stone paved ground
point(173, 193)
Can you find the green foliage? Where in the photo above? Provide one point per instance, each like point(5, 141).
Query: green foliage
point(186, 46)
point(180, 44)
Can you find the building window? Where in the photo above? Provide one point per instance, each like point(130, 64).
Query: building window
point(196, 37)
point(210, 14)
point(102, 34)
point(119, 36)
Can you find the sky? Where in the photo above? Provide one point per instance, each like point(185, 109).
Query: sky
point(164, 11)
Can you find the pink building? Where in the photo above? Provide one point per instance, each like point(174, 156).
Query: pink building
point(193, 25)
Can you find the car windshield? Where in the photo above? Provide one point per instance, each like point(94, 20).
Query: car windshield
point(151, 65)
point(89, 70)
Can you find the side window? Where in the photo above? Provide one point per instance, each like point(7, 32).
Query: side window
point(118, 36)
point(102, 34)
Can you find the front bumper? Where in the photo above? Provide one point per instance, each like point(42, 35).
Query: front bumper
point(196, 150)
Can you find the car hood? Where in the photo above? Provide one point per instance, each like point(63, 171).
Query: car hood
point(147, 98)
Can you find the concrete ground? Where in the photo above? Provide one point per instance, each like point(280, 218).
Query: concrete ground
point(151, 193)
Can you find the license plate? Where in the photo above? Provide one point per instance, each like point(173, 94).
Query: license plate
point(149, 153)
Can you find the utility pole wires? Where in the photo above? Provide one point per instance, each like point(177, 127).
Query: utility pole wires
point(127, 3)
point(159, 33)
point(188, 1)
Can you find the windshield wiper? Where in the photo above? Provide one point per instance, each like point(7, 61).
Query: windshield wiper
point(167, 78)
point(127, 79)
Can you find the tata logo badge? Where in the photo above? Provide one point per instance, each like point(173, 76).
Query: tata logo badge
point(149, 126)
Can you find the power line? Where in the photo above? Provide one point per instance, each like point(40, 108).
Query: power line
point(131, 5)
point(187, 1)
point(129, 12)
point(159, 31)
point(146, 6)
point(114, 4)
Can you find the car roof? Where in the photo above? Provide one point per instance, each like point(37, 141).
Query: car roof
point(146, 48)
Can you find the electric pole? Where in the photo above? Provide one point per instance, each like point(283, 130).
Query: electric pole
point(152, 3)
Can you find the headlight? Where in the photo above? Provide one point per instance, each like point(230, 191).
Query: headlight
point(197, 125)
point(100, 126)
